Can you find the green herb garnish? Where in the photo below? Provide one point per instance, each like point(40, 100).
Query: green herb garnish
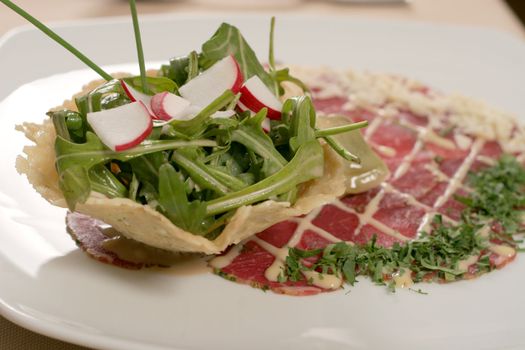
point(138, 42)
point(498, 194)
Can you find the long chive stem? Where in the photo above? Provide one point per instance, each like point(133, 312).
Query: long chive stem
point(138, 41)
point(340, 129)
point(271, 56)
point(46, 30)
point(343, 152)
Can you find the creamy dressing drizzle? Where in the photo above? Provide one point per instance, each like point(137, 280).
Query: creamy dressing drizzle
point(272, 273)
point(371, 128)
point(221, 262)
point(463, 142)
point(367, 216)
point(433, 168)
point(385, 150)
point(405, 164)
point(324, 281)
point(486, 160)
point(457, 180)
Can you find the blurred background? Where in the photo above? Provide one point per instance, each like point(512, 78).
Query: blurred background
point(507, 16)
point(489, 13)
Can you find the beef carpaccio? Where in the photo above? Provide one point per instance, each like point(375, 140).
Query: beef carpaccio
point(430, 143)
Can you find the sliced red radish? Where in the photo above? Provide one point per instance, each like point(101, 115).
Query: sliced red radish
point(123, 127)
point(255, 95)
point(210, 84)
point(136, 96)
point(167, 106)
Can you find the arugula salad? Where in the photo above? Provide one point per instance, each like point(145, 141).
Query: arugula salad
point(202, 136)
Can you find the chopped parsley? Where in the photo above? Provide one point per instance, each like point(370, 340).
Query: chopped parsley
point(498, 194)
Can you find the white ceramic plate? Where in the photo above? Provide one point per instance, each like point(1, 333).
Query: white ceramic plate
point(51, 287)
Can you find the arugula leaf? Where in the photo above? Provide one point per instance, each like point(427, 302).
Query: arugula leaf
point(193, 65)
point(197, 125)
point(146, 167)
point(133, 188)
point(307, 164)
point(75, 185)
point(176, 70)
point(302, 120)
point(251, 135)
point(175, 204)
point(71, 158)
point(103, 181)
point(108, 95)
point(199, 172)
point(60, 122)
point(111, 94)
point(155, 84)
point(228, 40)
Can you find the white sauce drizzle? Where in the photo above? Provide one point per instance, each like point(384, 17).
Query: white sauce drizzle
point(463, 142)
point(323, 280)
point(387, 151)
point(405, 164)
point(486, 160)
point(457, 179)
point(221, 262)
point(366, 217)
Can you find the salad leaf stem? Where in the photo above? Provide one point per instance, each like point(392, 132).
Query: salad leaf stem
point(175, 204)
point(340, 129)
point(307, 164)
point(196, 125)
point(271, 55)
point(138, 41)
point(343, 152)
point(50, 33)
point(199, 173)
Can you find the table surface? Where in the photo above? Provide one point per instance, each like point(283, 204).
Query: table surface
point(488, 13)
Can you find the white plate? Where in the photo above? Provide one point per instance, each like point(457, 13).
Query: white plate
point(52, 288)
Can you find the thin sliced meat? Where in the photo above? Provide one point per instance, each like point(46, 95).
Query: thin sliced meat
point(104, 244)
point(429, 160)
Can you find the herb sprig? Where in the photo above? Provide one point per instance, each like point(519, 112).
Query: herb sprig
point(498, 194)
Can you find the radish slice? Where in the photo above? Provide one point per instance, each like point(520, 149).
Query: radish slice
point(255, 95)
point(167, 106)
point(210, 84)
point(136, 96)
point(123, 127)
